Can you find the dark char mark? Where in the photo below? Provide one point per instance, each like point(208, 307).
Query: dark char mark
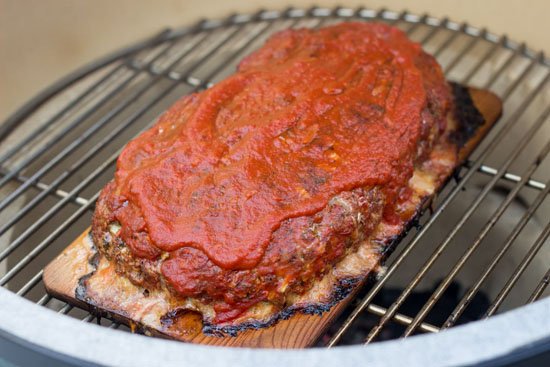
point(80, 291)
point(468, 117)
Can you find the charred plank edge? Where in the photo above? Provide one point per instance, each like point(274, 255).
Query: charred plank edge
point(468, 116)
point(469, 119)
point(80, 291)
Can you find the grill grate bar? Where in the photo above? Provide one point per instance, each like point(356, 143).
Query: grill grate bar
point(471, 209)
point(524, 73)
point(61, 193)
point(540, 287)
point(44, 300)
point(463, 51)
point(468, 297)
point(51, 212)
point(81, 161)
point(488, 226)
point(235, 55)
point(27, 110)
point(450, 39)
point(31, 283)
point(39, 248)
point(484, 59)
point(519, 270)
point(173, 75)
point(402, 319)
point(35, 201)
point(434, 31)
point(420, 22)
point(42, 245)
point(400, 17)
point(43, 186)
point(77, 142)
point(505, 65)
point(208, 82)
point(194, 81)
point(89, 317)
point(65, 309)
point(508, 124)
point(490, 171)
point(14, 172)
point(88, 92)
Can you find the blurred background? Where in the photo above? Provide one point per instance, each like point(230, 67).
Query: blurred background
point(42, 40)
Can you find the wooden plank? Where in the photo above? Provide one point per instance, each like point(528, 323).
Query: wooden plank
point(144, 311)
point(62, 275)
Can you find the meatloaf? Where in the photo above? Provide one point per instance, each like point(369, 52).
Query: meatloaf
point(248, 199)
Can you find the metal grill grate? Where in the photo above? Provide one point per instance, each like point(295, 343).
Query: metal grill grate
point(483, 249)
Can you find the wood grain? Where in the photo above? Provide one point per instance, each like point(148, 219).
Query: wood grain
point(61, 279)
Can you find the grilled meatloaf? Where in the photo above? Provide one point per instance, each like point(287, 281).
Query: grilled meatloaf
point(252, 198)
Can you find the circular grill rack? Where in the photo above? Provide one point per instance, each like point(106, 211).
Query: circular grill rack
point(482, 249)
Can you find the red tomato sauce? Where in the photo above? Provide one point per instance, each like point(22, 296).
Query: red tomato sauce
point(309, 115)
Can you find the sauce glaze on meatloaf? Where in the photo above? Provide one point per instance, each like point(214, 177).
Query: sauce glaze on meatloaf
point(254, 189)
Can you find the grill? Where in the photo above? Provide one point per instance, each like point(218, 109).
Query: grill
point(482, 249)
